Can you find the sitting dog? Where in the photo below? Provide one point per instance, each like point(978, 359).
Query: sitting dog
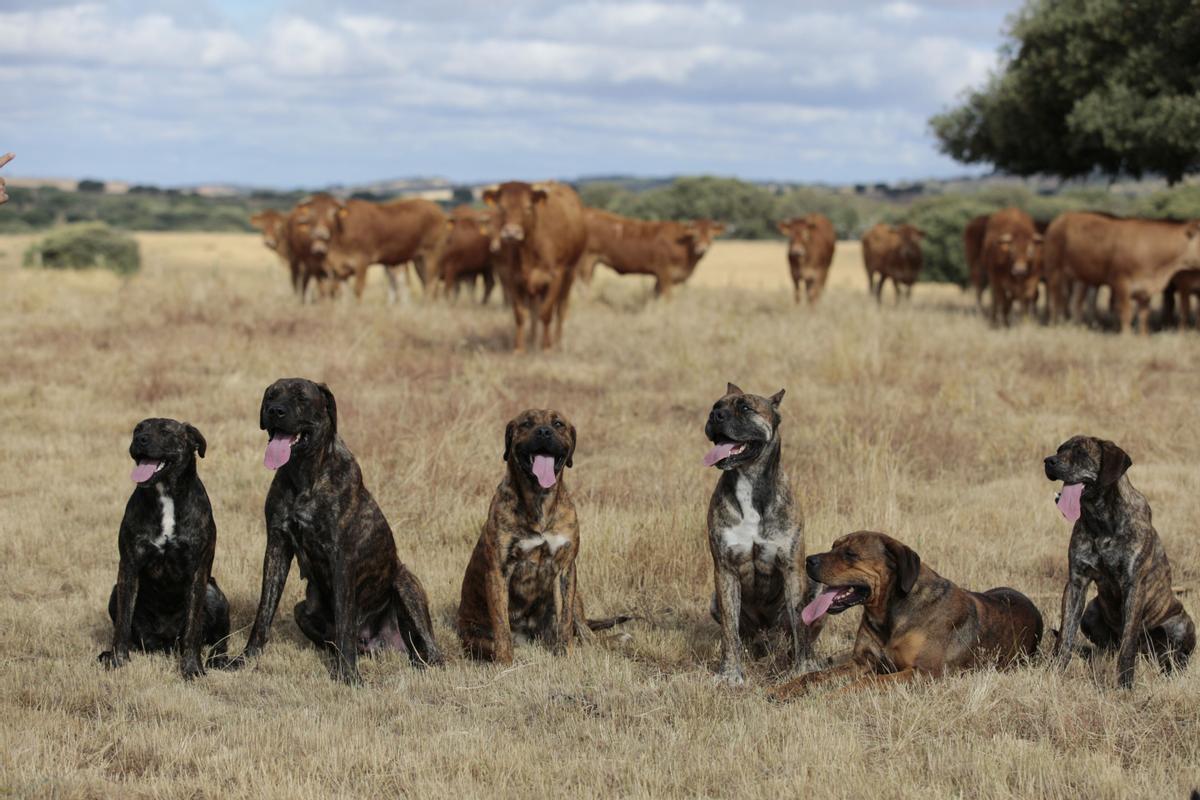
point(914, 621)
point(165, 597)
point(359, 597)
point(521, 578)
point(755, 532)
point(1114, 544)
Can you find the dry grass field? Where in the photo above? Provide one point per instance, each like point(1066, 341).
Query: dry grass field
point(919, 421)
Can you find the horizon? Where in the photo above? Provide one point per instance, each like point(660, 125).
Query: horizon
point(284, 94)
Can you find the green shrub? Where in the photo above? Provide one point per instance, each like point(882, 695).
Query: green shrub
point(85, 246)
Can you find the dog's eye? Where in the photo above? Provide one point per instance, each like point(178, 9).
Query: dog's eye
point(744, 408)
point(850, 555)
point(527, 423)
point(558, 423)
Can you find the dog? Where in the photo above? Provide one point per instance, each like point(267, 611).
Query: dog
point(755, 532)
point(521, 580)
point(1114, 544)
point(359, 597)
point(165, 597)
point(914, 622)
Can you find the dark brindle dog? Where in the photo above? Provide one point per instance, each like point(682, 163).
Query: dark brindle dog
point(165, 596)
point(915, 622)
point(755, 532)
point(1114, 544)
point(521, 580)
point(359, 597)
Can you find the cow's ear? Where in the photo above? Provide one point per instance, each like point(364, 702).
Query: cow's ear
point(449, 223)
point(1113, 463)
point(539, 193)
point(777, 398)
point(733, 389)
point(784, 227)
point(1006, 238)
point(1193, 230)
point(342, 213)
point(490, 195)
point(196, 438)
point(718, 228)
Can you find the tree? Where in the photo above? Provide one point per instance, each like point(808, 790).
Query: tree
point(1109, 86)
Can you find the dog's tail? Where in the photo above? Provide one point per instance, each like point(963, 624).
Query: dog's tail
point(608, 622)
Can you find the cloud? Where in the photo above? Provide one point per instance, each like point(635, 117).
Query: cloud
point(300, 93)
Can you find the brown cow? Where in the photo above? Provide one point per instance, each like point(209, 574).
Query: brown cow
point(892, 251)
point(1135, 258)
point(464, 254)
point(273, 225)
point(307, 233)
point(669, 251)
point(537, 234)
point(1012, 256)
point(811, 241)
point(391, 234)
point(973, 247)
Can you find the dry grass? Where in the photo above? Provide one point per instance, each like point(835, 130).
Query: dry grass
point(918, 421)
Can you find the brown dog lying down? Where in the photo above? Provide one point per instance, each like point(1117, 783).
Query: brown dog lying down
point(914, 620)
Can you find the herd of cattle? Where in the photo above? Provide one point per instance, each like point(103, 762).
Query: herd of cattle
point(535, 239)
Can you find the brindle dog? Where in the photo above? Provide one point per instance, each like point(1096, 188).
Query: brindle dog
point(521, 582)
point(755, 532)
point(915, 622)
point(1114, 544)
point(165, 596)
point(359, 597)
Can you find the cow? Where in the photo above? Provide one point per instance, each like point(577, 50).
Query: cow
point(892, 251)
point(273, 226)
point(538, 233)
point(391, 234)
point(811, 240)
point(464, 254)
point(669, 251)
point(1012, 257)
point(973, 247)
point(306, 235)
point(1135, 258)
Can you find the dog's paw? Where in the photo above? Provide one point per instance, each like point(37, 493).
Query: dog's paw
point(191, 669)
point(113, 660)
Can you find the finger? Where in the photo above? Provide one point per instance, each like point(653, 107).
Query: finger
point(7, 157)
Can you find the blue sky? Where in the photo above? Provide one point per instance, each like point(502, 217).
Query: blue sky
point(305, 93)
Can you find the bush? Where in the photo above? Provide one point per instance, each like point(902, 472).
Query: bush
point(85, 246)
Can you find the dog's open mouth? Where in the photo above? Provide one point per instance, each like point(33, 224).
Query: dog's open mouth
point(279, 448)
point(834, 600)
point(544, 467)
point(146, 469)
point(727, 453)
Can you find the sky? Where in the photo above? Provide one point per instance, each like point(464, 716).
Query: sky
point(303, 93)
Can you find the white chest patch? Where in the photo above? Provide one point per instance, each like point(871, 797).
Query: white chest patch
point(741, 539)
point(553, 542)
point(168, 517)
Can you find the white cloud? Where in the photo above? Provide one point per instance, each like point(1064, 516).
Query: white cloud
point(570, 87)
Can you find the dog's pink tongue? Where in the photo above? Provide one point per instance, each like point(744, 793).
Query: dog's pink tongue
point(279, 450)
point(717, 453)
point(817, 608)
point(144, 470)
point(1068, 501)
point(543, 468)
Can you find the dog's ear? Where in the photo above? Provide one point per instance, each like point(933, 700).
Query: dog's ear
point(733, 389)
point(571, 452)
point(330, 406)
point(508, 434)
point(777, 398)
point(908, 565)
point(196, 438)
point(1113, 463)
